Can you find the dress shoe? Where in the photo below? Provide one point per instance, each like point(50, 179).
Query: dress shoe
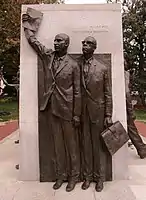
point(58, 184)
point(99, 186)
point(70, 186)
point(142, 153)
point(86, 185)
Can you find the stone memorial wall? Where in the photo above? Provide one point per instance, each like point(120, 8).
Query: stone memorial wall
point(103, 22)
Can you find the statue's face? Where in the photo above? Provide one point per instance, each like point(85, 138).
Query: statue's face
point(88, 45)
point(60, 43)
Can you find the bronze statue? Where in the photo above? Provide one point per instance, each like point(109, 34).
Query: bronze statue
point(96, 113)
point(132, 130)
point(62, 100)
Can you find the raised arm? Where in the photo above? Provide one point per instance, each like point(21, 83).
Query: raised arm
point(31, 22)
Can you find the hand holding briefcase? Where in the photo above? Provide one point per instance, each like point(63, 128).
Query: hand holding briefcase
point(115, 137)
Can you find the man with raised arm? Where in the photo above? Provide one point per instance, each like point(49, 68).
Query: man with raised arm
point(61, 99)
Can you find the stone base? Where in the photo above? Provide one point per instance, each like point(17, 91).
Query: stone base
point(37, 191)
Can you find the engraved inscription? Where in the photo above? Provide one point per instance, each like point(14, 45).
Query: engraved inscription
point(92, 29)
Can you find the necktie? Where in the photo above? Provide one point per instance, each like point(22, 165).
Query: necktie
point(55, 65)
point(86, 70)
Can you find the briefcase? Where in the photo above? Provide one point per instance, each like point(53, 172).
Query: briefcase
point(115, 137)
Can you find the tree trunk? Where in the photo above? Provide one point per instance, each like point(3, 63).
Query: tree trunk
point(142, 97)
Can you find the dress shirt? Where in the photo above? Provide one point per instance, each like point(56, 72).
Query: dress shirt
point(57, 62)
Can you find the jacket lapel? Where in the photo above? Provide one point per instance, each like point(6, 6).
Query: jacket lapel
point(62, 65)
point(83, 79)
point(82, 72)
point(50, 65)
point(91, 71)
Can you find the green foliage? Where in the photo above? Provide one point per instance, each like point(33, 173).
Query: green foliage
point(6, 100)
point(9, 39)
point(140, 115)
point(8, 110)
point(134, 32)
point(134, 35)
point(10, 13)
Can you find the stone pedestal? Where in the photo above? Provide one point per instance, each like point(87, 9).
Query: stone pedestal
point(103, 22)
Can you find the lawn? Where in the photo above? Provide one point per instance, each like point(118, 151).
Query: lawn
point(140, 115)
point(8, 111)
point(12, 108)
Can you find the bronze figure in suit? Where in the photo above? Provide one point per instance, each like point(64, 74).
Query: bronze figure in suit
point(132, 130)
point(62, 100)
point(96, 113)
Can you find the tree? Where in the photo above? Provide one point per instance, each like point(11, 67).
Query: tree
point(134, 36)
point(10, 13)
point(134, 32)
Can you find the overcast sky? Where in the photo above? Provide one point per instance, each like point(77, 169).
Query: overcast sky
point(84, 1)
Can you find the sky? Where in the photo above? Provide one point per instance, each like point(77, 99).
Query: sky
point(84, 1)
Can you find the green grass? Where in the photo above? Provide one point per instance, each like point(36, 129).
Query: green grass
point(11, 107)
point(140, 115)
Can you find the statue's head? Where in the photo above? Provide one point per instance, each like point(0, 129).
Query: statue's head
point(61, 42)
point(89, 45)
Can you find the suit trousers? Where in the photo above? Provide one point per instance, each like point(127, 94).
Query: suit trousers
point(134, 135)
point(66, 148)
point(132, 130)
point(92, 158)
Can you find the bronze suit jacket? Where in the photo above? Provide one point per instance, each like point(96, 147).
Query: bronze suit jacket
point(97, 89)
point(62, 88)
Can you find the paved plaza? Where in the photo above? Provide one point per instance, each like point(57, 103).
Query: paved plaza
point(12, 189)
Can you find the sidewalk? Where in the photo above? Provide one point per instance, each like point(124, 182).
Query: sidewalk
point(7, 128)
point(141, 126)
point(12, 189)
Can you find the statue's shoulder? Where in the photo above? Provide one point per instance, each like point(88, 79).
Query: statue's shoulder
point(99, 65)
point(80, 59)
point(72, 60)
